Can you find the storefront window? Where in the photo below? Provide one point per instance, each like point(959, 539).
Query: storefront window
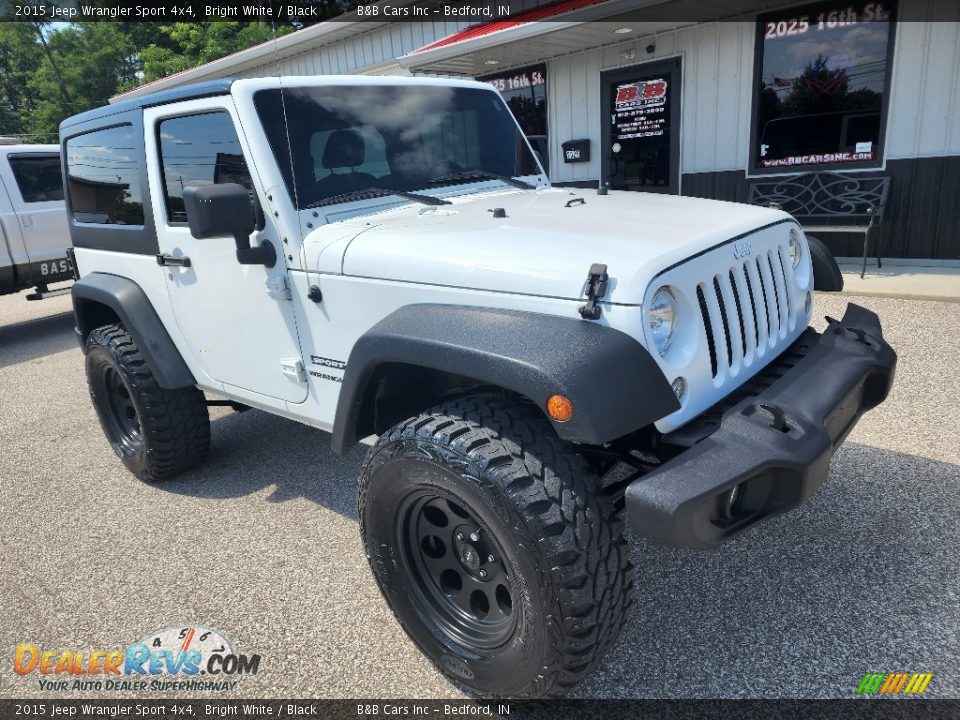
point(822, 85)
point(525, 91)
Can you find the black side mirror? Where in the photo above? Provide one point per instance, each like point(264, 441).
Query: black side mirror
point(225, 209)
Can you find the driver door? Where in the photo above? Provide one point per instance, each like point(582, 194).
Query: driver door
point(237, 320)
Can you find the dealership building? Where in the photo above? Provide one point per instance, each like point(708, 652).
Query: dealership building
point(708, 99)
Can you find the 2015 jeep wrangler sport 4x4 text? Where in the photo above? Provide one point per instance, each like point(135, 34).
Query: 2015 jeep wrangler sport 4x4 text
point(385, 256)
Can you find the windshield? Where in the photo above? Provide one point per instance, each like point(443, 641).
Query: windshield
point(357, 137)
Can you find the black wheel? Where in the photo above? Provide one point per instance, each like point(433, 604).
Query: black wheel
point(495, 547)
point(157, 433)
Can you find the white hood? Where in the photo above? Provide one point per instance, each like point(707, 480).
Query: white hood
point(542, 247)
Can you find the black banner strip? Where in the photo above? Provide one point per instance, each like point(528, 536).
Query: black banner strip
point(474, 11)
point(204, 709)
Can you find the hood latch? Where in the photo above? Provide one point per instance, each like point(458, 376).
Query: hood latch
point(594, 288)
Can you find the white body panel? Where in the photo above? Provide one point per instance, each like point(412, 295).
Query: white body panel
point(213, 297)
point(372, 257)
point(543, 247)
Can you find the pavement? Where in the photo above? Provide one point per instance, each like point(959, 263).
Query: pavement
point(936, 281)
point(262, 543)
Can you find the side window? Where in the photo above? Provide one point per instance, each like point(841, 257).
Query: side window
point(38, 177)
point(374, 158)
point(198, 150)
point(103, 173)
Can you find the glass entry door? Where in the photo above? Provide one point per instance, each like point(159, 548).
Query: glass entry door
point(641, 137)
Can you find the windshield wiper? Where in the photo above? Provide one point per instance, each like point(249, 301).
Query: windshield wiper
point(481, 174)
point(373, 192)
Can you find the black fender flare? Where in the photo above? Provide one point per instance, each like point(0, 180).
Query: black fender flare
point(131, 305)
point(615, 385)
point(826, 272)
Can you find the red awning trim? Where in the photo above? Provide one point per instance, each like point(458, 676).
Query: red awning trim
point(528, 16)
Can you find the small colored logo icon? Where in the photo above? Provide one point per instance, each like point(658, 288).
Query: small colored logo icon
point(894, 683)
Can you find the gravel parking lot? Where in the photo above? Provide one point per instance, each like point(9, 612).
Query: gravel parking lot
point(262, 543)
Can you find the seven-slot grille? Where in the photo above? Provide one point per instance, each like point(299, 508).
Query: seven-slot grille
point(746, 311)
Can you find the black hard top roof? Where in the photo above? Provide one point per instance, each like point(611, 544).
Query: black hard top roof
point(187, 92)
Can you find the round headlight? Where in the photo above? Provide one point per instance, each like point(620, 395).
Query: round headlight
point(795, 248)
point(662, 318)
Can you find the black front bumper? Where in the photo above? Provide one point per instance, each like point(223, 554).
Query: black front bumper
point(773, 448)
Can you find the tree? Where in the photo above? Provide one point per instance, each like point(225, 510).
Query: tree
point(818, 89)
point(19, 60)
point(51, 71)
point(190, 44)
point(91, 60)
point(768, 105)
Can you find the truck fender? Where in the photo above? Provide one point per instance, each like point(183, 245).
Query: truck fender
point(101, 298)
point(614, 384)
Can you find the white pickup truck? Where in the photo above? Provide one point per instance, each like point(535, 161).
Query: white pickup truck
point(34, 236)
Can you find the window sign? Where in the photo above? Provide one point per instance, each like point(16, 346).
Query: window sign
point(525, 91)
point(641, 109)
point(640, 144)
point(822, 85)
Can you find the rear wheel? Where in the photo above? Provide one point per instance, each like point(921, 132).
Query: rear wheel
point(157, 433)
point(495, 547)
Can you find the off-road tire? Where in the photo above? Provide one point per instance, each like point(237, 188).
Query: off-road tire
point(172, 427)
point(564, 547)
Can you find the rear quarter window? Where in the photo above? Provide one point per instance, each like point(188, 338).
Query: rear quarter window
point(103, 173)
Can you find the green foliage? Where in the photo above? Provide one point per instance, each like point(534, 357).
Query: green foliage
point(19, 60)
point(83, 68)
point(818, 89)
point(192, 44)
point(51, 71)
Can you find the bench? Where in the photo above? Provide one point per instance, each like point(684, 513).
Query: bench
point(824, 202)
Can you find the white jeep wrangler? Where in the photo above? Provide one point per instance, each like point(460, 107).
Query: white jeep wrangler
point(384, 256)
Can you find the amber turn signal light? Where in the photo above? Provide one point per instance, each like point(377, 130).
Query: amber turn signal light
point(559, 408)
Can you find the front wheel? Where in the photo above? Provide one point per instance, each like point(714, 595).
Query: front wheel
point(157, 433)
point(495, 547)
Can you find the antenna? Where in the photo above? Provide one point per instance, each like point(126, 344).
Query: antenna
point(283, 105)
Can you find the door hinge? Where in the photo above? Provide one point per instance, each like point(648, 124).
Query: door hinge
point(594, 288)
point(277, 287)
point(293, 368)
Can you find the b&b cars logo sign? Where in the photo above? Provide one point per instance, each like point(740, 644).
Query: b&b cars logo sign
point(640, 110)
point(644, 94)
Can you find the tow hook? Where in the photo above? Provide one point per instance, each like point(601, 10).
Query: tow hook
point(858, 333)
point(779, 422)
point(594, 288)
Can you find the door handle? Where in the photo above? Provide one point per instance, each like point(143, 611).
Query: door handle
point(169, 260)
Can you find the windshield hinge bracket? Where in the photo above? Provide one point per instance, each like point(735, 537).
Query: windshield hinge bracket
point(594, 288)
